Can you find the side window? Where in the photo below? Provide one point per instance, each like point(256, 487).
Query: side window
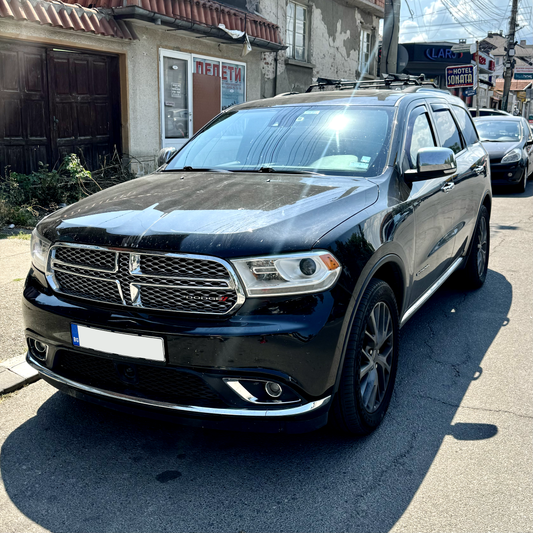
point(447, 129)
point(419, 135)
point(528, 130)
point(466, 125)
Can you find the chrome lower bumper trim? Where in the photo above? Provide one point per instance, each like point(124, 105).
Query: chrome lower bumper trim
point(290, 411)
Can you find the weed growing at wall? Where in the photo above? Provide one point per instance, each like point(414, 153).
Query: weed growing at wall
point(25, 198)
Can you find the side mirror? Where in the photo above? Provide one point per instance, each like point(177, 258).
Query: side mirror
point(432, 163)
point(165, 155)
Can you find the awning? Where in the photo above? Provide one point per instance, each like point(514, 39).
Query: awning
point(197, 16)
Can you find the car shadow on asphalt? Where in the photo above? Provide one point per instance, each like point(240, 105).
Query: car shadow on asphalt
point(76, 467)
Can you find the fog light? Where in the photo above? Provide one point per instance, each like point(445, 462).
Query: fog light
point(510, 174)
point(273, 389)
point(38, 349)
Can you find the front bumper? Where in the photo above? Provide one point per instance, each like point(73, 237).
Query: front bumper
point(506, 173)
point(293, 342)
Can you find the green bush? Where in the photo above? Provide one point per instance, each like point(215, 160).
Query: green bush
point(24, 198)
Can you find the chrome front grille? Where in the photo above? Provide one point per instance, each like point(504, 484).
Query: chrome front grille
point(158, 281)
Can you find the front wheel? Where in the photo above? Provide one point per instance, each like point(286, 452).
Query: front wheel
point(370, 363)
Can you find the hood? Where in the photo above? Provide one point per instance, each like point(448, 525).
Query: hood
point(497, 150)
point(220, 214)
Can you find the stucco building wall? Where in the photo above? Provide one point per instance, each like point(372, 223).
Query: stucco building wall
point(334, 34)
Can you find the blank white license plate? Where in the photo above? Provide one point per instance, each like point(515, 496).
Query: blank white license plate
point(125, 344)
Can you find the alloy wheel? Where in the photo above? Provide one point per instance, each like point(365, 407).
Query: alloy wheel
point(376, 359)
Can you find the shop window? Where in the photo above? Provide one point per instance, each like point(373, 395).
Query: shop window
point(297, 22)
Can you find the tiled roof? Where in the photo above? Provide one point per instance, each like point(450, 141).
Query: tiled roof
point(516, 85)
point(206, 12)
point(68, 16)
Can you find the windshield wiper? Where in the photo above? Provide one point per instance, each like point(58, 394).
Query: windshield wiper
point(270, 170)
point(192, 169)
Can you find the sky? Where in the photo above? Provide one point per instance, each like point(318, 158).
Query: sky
point(450, 20)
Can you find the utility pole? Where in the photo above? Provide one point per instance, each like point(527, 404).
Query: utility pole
point(509, 56)
point(391, 31)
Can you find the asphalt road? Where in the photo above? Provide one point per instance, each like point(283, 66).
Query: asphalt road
point(454, 452)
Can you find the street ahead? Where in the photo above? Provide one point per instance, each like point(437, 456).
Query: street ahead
point(453, 454)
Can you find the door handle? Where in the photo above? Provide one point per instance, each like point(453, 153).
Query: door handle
point(448, 187)
point(480, 169)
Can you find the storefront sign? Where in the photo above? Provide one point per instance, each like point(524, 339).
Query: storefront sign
point(523, 73)
point(233, 79)
point(463, 76)
point(442, 54)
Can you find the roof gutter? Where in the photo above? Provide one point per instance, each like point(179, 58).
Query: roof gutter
point(138, 13)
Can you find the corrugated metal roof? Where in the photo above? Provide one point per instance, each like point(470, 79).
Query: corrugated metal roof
point(65, 15)
point(206, 12)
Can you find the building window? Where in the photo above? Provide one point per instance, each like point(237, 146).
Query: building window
point(365, 47)
point(297, 19)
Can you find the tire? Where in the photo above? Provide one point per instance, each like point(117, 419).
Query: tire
point(475, 272)
point(366, 370)
point(520, 187)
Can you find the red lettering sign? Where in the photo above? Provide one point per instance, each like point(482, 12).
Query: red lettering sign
point(231, 69)
point(225, 72)
point(208, 68)
point(238, 72)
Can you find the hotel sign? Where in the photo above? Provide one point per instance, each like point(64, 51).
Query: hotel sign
point(460, 76)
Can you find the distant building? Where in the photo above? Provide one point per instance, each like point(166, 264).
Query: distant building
point(524, 58)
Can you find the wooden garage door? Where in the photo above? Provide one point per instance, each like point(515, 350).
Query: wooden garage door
point(54, 102)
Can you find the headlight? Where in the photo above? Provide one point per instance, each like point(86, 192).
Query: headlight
point(280, 275)
point(39, 251)
point(513, 156)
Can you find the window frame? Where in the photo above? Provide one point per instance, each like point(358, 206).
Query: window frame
point(437, 107)
point(469, 117)
point(362, 63)
point(414, 113)
point(291, 50)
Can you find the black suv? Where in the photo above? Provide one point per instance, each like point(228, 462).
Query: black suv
point(259, 278)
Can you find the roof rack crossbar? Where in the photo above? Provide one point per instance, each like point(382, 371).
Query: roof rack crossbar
point(388, 80)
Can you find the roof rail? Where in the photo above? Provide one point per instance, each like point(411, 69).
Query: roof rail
point(387, 81)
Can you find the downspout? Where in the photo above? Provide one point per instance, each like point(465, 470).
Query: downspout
point(276, 74)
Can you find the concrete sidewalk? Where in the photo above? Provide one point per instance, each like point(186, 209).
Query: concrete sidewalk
point(14, 266)
point(15, 373)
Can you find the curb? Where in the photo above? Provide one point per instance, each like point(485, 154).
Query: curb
point(15, 373)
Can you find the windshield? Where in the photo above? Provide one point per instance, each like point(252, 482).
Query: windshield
point(499, 130)
point(324, 139)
